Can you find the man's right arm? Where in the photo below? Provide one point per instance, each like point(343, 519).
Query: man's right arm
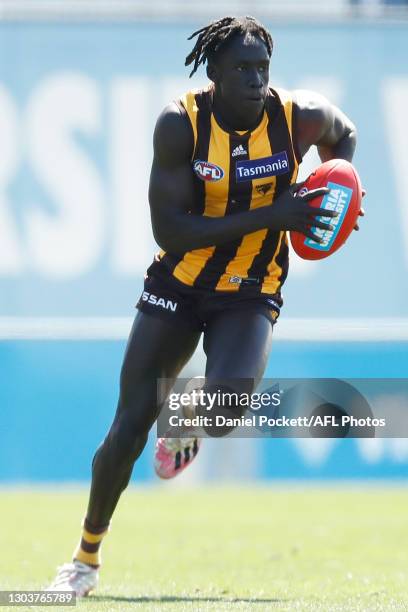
point(177, 228)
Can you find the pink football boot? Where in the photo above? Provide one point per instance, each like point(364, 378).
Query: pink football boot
point(173, 455)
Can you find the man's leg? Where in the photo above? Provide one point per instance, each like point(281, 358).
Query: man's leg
point(156, 349)
point(237, 345)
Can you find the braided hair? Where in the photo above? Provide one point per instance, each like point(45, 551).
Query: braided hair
point(213, 36)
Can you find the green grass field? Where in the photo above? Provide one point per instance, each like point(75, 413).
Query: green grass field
point(220, 549)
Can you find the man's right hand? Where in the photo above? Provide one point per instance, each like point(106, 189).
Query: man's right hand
point(292, 212)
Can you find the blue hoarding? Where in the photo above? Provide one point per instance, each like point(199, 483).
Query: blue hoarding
point(58, 400)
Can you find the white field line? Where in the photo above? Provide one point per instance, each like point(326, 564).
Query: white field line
point(289, 329)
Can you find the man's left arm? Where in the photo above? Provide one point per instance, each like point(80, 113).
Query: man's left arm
point(322, 124)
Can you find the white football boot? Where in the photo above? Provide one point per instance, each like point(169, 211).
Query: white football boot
point(77, 577)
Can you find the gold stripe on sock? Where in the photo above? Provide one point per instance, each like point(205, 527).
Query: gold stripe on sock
point(93, 538)
point(88, 558)
point(90, 540)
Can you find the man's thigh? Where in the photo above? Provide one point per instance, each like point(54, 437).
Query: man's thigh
point(237, 345)
point(159, 344)
point(156, 349)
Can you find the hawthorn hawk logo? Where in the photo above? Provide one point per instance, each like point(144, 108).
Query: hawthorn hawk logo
point(263, 189)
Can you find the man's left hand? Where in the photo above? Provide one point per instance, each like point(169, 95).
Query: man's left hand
point(361, 212)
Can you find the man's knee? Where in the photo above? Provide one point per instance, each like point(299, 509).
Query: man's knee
point(223, 403)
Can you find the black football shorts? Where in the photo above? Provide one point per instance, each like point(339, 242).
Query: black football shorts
point(164, 296)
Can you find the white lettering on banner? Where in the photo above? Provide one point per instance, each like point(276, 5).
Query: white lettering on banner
point(69, 243)
point(11, 256)
point(130, 157)
point(395, 101)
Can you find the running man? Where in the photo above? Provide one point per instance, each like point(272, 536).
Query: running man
point(222, 197)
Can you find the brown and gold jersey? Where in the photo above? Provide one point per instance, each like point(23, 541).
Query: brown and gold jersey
point(235, 172)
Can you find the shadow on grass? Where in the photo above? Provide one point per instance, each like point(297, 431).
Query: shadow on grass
point(181, 599)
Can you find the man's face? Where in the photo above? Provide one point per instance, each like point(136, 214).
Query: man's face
point(241, 75)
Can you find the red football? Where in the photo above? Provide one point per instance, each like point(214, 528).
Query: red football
point(345, 197)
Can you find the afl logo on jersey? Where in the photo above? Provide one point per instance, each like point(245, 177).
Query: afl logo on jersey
point(207, 171)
